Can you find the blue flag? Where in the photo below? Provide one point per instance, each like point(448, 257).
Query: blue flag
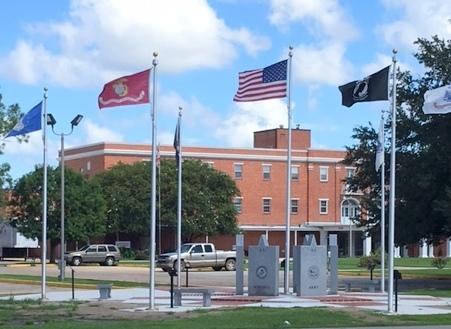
point(31, 121)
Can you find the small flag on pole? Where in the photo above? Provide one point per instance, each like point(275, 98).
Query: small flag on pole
point(30, 122)
point(127, 90)
point(380, 146)
point(177, 143)
point(269, 82)
point(437, 101)
point(372, 88)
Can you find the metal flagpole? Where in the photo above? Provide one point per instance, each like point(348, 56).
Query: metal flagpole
point(159, 199)
point(383, 209)
point(391, 223)
point(179, 200)
point(44, 203)
point(288, 214)
point(153, 190)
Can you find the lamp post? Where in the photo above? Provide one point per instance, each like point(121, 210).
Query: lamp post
point(51, 121)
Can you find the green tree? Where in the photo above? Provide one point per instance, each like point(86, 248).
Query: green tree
point(8, 118)
point(84, 206)
point(423, 153)
point(206, 199)
point(126, 190)
point(207, 194)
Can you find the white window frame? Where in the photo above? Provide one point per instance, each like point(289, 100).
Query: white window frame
point(268, 172)
point(320, 204)
point(88, 165)
point(235, 171)
point(267, 205)
point(297, 206)
point(239, 208)
point(321, 173)
point(297, 172)
point(349, 211)
point(350, 170)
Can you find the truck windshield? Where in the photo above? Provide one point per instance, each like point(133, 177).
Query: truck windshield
point(185, 247)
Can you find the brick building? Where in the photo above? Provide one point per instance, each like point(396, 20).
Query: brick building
point(320, 203)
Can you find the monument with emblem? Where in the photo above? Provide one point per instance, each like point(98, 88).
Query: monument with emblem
point(311, 264)
point(263, 274)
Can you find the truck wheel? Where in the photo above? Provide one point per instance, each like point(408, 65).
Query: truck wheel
point(182, 265)
point(109, 261)
point(230, 264)
point(217, 268)
point(76, 261)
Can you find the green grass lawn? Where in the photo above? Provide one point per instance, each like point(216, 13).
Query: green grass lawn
point(25, 314)
point(67, 281)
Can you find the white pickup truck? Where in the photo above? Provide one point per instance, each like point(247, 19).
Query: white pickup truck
point(195, 255)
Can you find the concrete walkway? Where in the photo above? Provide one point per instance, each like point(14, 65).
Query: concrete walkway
point(137, 299)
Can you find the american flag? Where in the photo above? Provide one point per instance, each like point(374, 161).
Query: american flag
point(269, 82)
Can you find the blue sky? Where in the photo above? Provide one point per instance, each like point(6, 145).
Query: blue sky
point(74, 47)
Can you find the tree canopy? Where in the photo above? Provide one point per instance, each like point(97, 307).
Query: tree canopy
point(423, 154)
point(206, 198)
point(9, 115)
point(84, 206)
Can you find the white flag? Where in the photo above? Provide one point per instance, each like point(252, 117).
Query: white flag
point(380, 146)
point(437, 101)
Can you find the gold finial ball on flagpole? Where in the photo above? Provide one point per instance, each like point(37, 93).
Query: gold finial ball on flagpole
point(395, 51)
point(155, 54)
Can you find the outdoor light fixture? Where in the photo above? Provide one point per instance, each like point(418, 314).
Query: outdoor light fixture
point(75, 121)
point(51, 121)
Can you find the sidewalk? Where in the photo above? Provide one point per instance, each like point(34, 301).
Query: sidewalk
point(137, 299)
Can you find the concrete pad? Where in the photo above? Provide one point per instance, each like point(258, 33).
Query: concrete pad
point(137, 300)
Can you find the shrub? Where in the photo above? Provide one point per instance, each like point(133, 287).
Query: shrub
point(142, 254)
point(127, 253)
point(439, 262)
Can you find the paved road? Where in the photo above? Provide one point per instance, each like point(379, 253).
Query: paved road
point(195, 278)
point(134, 274)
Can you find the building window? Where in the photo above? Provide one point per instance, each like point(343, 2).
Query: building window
point(238, 203)
point(266, 205)
point(294, 172)
point(238, 170)
point(323, 206)
point(266, 172)
point(88, 166)
point(294, 206)
point(349, 210)
point(323, 174)
point(350, 172)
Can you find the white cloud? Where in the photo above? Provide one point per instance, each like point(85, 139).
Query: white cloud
point(94, 133)
point(419, 18)
point(103, 38)
point(323, 18)
point(237, 130)
point(194, 114)
point(323, 61)
point(33, 148)
point(379, 63)
point(321, 64)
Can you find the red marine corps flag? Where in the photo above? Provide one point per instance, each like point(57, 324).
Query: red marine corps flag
point(127, 90)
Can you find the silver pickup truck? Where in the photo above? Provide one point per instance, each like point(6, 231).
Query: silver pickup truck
point(195, 255)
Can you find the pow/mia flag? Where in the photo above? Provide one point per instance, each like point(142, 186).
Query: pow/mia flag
point(372, 88)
